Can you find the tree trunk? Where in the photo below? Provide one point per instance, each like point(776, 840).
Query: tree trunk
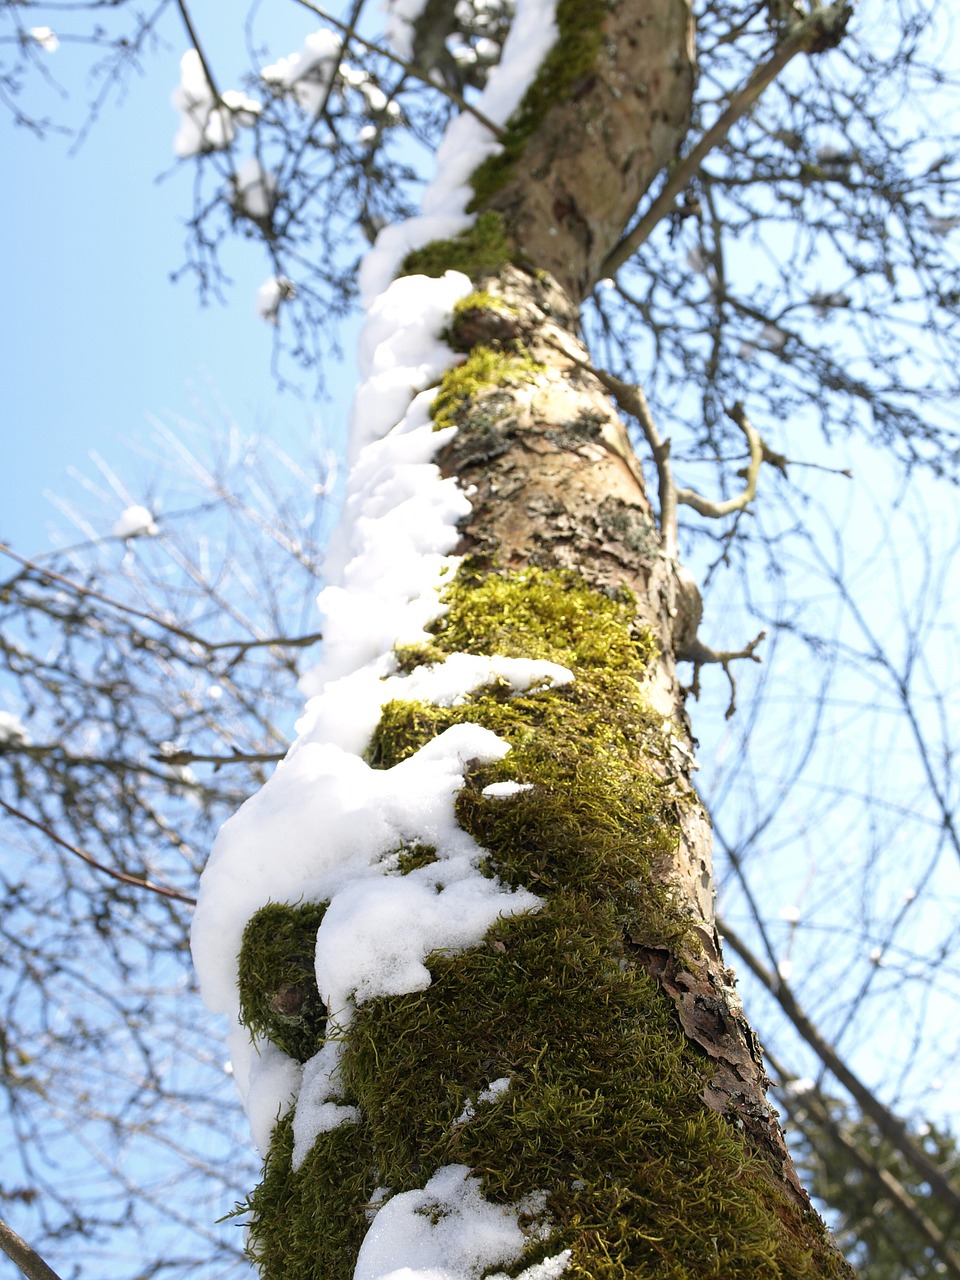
point(577, 1092)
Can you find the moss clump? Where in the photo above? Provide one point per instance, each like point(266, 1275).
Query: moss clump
point(598, 819)
point(484, 367)
point(568, 64)
point(480, 250)
point(544, 613)
point(278, 986)
point(309, 1224)
point(481, 318)
point(482, 300)
point(603, 1110)
point(414, 856)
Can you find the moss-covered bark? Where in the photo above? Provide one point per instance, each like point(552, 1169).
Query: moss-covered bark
point(634, 1119)
point(635, 1102)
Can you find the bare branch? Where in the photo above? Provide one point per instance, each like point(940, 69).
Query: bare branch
point(821, 29)
point(279, 642)
point(235, 757)
point(195, 39)
point(24, 1256)
point(889, 1125)
point(136, 881)
point(702, 655)
point(883, 1180)
point(408, 67)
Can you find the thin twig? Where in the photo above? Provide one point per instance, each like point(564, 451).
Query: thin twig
point(136, 881)
point(236, 757)
point(296, 642)
point(191, 32)
point(89, 592)
point(408, 67)
point(701, 655)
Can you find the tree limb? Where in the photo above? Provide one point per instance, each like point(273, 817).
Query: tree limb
point(882, 1178)
point(191, 32)
point(892, 1128)
point(24, 1256)
point(823, 28)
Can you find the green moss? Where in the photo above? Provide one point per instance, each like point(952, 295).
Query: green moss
point(309, 1224)
point(484, 367)
point(567, 66)
point(604, 1113)
point(540, 613)
point(410, 656)
point(278, 987)
point(603, 1110)
point(482, 300)
point(480, 250)
point(414, 856)
point(597, 819)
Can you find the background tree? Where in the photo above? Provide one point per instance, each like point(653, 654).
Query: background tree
point(819, 197)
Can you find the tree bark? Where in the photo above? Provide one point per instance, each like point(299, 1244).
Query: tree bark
point(628, 1128)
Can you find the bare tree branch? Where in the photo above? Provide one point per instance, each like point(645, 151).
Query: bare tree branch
point(137, 881)
point(24, 1256)
point(889, 1125)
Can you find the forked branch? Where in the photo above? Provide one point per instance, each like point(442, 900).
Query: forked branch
point(701, 655)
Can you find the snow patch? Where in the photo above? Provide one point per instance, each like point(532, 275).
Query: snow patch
point(401, 17)
point(548, 1269)
point(13, 732)
point(466, 144)
point(135, 522)
point(254, 191)
point(271, 294)
point(490, 1094)
point(446, 1231)
point(309, 73)
point(320, 830)
point(46, 38)
point(273, 1082)
point(205, 123)
point(501, 790)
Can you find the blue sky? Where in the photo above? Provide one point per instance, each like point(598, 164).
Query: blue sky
point(95, 334)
